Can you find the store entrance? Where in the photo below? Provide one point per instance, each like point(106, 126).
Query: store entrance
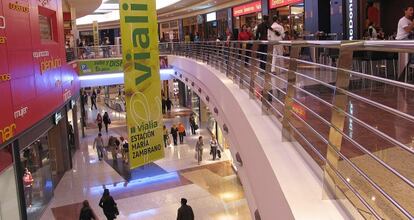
point(38, 178)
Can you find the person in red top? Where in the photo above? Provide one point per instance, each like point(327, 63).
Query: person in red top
point(245, 34)
point(28, 187)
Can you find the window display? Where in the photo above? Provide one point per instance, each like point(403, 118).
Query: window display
point(37, 177)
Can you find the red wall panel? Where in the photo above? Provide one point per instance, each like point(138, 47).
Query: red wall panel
point(32, 94)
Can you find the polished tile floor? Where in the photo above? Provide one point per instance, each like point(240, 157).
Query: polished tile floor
point(152, 191)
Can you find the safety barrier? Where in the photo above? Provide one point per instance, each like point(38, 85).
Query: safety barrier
point(355, 125)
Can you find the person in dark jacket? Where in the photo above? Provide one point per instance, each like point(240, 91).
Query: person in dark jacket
point(106, 121)
point(174, 133)
point(86, 212)
point(93, 100)
point(108, 205)
point(185, 212)
point(168, 103)
point(192, 124)
point(261, 34)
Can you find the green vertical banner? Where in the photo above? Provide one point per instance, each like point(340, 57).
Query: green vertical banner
point(142, 80)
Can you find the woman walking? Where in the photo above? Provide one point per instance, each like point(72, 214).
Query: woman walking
point(108, 205)
point(199, 149)
point(99, 121)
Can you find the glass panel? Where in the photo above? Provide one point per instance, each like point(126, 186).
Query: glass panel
point(37, 179)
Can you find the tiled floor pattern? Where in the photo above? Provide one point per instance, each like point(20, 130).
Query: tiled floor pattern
point(153, 191)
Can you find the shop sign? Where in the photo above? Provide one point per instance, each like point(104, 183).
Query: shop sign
point(43, 2)
point(66, 95)
point(50, 64)
point(247, 9)
point(72, 104)
point(281, 3)
point(57, 117)
point(7, 132)
point(142, 81)
point(18, 8)
point(21, 112)
point(299, 110)
point(100, 66)
point(2, 22)
point(351, 19)
point(39, 54)
point(5, 77)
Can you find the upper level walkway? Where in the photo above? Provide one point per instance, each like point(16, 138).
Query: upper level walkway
point(339, 101)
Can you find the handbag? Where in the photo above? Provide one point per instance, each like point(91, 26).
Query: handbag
point(196, 127)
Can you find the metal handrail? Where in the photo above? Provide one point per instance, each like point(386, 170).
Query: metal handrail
point(226, 57)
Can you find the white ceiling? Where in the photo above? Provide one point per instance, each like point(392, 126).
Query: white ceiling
point(84, 7)
point(109, 11)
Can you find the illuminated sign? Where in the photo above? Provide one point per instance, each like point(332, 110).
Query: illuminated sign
point(281, 3)
point(18, 8)
point(5, 77)
point(211, 16)
point(57, 117)
point(247, 9)
point(47, 65)
point(7, 133)
point(350, 17)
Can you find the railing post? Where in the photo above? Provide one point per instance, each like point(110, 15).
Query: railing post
point(230, 59)
point(287, 131)
point(338, 119)
point(267, 84)
point(253, 70)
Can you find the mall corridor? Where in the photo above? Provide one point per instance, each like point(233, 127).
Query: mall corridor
point(152, 191)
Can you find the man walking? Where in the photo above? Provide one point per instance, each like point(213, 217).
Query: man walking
point(261, 34)
point(99, 144)
point(185, 212)
point(404, 30)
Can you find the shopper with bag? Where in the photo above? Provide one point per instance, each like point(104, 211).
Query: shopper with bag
point(108, 205)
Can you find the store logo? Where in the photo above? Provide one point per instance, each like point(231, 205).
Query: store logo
point(7, 132)
point(141, 41)
point(84, 68)
point(66, 95)
point(21, 113)
point(2, 40)
point(39, 54)
point(351, 20)
point(50, 64)
point(5, 77)
point(18, 8)
point(2, 22)
point(43, 2)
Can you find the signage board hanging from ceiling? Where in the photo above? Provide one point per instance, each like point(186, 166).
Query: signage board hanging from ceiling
point(211, 16)
point(247, 9)
point(139, 29)
point(281, 3)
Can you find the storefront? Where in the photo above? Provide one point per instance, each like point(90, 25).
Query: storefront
point(249, 14)
point(217, 24)
point(33, 164)
point(169, 31)
point(190, 27)
point(291, 13)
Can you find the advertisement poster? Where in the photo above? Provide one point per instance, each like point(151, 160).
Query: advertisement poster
point(139, 30)
point(100, 66)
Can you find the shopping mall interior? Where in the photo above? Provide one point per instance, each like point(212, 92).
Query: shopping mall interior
point(206, 109)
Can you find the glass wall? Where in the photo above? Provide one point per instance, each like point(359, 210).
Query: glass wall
point(9, 207)
point(37, 178)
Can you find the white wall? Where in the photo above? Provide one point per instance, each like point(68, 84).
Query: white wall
point(9, 208)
